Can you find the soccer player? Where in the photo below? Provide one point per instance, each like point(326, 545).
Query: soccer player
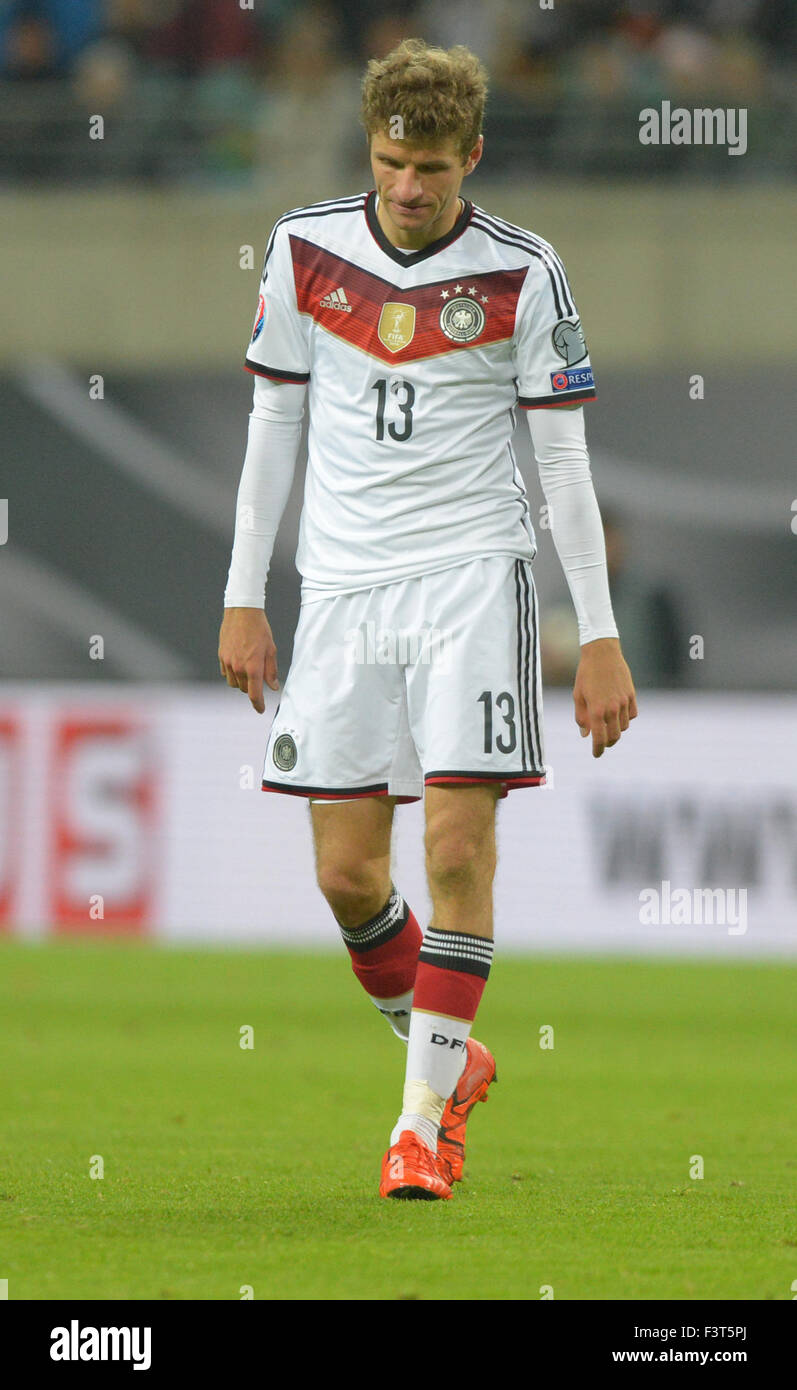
point(417, 323)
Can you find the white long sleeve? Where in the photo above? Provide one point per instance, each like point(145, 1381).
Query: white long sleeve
point(275, 426)
point(560, 448)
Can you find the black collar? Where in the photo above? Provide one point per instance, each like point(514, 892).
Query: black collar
point(414, 256)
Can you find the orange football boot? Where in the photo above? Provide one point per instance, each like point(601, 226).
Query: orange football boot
point(478, 1076)
point(409, 1169)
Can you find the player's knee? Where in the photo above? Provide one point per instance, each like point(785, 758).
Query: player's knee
point(354, 894)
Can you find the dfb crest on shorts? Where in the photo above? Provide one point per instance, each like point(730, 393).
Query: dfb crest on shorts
point(284, 753)
point(396, 326)
point(568, 340)
point(462, 320)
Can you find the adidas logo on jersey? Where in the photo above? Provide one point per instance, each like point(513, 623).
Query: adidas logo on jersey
point(336, 299)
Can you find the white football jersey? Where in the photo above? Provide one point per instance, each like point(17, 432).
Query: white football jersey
point(416, 363)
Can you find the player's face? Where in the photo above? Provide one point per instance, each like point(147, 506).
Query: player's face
point(418, 188)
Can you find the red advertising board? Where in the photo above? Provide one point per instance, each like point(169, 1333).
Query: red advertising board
point(103, 806)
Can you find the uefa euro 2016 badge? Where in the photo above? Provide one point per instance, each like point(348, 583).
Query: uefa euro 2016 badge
point(462, 320)
point(284, 753)
point(568, 341)
point(259, 318)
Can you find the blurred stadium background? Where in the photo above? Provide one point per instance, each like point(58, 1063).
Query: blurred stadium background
point(128, 776)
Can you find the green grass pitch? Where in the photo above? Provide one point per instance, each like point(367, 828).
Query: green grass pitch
point(227, 1167)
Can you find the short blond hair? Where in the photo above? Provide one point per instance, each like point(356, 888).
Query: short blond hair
point(439, 94)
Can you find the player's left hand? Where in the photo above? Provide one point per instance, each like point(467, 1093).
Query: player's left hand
point(603, 693)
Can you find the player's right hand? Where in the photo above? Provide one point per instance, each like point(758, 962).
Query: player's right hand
point(247, 653)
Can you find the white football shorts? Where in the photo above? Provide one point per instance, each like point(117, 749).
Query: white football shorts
point(427, 681)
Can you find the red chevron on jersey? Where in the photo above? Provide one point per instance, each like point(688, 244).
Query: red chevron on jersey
point(415, 366)
point(399, 325)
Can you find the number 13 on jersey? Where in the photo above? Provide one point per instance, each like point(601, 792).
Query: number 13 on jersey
point(404, 394)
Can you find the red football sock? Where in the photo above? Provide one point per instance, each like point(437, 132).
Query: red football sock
point(384, 957)
point(452, 971)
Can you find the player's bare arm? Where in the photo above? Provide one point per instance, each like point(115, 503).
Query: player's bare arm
point(603, 693)
point(248, 653)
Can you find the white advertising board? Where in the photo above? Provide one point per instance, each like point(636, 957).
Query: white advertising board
point(136, 809)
